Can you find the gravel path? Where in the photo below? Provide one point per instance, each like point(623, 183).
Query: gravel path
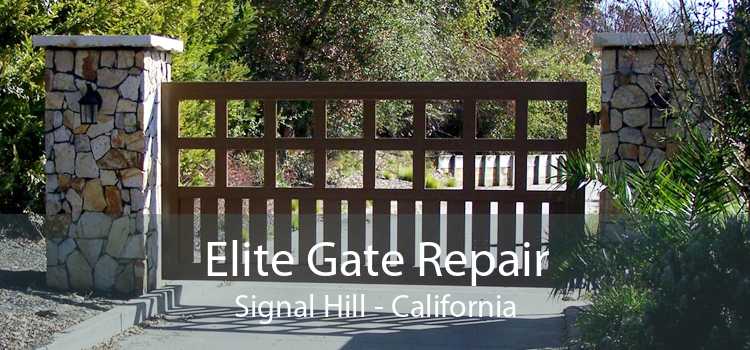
point(30, 313)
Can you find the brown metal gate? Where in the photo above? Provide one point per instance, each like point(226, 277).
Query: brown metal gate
point(182, 221)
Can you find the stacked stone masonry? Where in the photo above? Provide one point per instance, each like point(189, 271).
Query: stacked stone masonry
point(633, 128)
point(102, 192)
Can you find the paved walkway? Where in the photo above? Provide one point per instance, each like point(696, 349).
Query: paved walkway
point(204, 318)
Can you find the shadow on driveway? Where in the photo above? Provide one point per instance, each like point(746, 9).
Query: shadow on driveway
point(202, 327)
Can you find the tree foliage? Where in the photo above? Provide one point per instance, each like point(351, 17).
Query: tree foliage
point(427, 40)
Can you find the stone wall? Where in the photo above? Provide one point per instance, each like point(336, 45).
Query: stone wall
point(634, 126)
point(103, 179)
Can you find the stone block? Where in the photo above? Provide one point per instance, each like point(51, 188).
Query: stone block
point(109, 101)
point(81, 277)
point(627, 151)
point(57, 278)
point(66, 247)
point(64, 158)
point(86, 166)
point(108, 58)
point(646, 82)
point(71, 100)
point(114, 202)
point(51, 251)
point(118, 236)
point(643, 153)
point(630, 135)
point(54, 100)
point(87, 62)
point(615, 120)
point(110, 78)
point(71, 120)
point(135, 248)
point(131, 178)
point(125, 59)
point(126, 106)
point(76, 203)
point(644, 61)
point(64, 61)
point(52, 120)
point(129, 88)
point(56, 225)
point(608, 61)
point(62, 135)
point(124, 283)
point(52, 184)
point(49, 59)
point(63, 82)
point(64, 181)
point(609, 143)
point(93, 196)
point(636, 117)
point(654, 159)
point(100, 146)
point(91, 249)
point(105, 272)
point(104, 124)
point(94, 225)
point(629, 96)
point(108, 177)
point(116, 159)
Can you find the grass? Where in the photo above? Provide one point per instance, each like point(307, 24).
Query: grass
point(431, 182)
point(406, 174)
point(451, 182)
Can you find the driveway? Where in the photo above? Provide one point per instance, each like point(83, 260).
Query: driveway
point(204, 318)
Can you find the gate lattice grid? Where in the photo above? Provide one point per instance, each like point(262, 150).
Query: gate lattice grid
point(178, 202)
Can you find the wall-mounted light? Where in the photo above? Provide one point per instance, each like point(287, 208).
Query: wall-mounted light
point(90, 103)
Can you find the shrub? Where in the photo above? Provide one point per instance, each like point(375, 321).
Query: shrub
point(615, 319)
point(673, 271)
point(431, 182)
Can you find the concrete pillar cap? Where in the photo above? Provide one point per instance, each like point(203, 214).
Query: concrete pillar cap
point(108, 41)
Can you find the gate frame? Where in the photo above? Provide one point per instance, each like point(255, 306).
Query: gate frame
point(569, 201)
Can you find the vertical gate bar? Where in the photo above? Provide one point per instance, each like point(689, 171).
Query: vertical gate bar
point(532, 231)
point(521, 153)
point(332, 227)
point(419, 147)
point(282, 225)
point(406, 232)
point(456, 225)
point(209, 225)
point(576, 128)
point(258, 223)
point(319, 151)
point(356, 228)
point(506, 227)
point(368, 166)
point(381, 227)
point(558, 225)
point(431, 221)
point(233, 228)
point(220, 106)
point(184, 232)
point(480, 225)
point(269, 144)
point(307, 224)
point(468, 143)
point(171, 211)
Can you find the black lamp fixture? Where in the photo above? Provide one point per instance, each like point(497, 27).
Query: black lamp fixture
point(90, 103)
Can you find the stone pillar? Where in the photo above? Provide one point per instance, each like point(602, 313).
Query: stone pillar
point(103, 179)
point(634, 129)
